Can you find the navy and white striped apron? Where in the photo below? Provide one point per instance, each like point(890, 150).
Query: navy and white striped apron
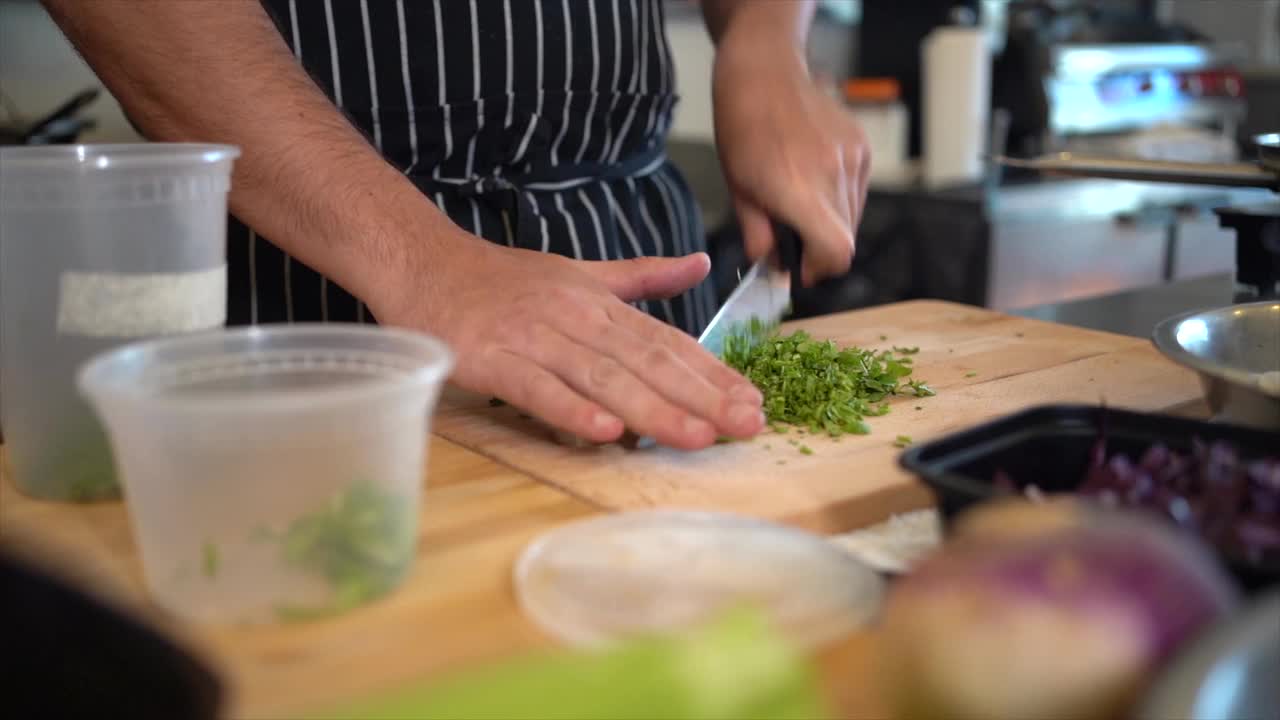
point(538, 124)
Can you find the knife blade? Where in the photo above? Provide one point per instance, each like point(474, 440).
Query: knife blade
point(763, 294)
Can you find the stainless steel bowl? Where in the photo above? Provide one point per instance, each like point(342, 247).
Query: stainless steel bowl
point(1228, 674)
point(1236, 351)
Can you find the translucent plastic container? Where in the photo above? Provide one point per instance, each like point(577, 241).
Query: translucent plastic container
point(272, 472)
point(99, 245)
point(877, 105)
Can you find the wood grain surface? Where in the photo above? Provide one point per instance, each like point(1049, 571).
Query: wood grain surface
point(456, 608)
point(983, 364)
point(456, 611)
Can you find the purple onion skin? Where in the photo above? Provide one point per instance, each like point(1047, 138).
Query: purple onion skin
point(1259, 532)
point(1126, 570)
point(1004, 483)
point(1163, 582)
point(1022, 614)
point(1265, 491)
point(1156, 457)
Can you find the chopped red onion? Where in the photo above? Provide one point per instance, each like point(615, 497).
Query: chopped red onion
point(1233, 504)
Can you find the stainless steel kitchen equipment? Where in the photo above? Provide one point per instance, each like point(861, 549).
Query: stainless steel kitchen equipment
point(1091, 74)
point(1264, 173)
point(1092, 88)
point(1236, 352)
point(1256, 225)
point(1228, 673)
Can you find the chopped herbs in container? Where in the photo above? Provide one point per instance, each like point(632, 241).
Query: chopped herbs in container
point(817, 385)
point(362, 543)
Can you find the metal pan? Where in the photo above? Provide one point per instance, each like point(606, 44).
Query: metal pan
point(1265, 173)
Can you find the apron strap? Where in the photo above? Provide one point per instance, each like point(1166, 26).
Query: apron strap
point(506, 193)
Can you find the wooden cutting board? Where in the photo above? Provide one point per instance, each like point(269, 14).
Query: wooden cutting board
point(983, 364)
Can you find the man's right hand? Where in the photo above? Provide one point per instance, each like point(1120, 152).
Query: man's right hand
point(556, 338)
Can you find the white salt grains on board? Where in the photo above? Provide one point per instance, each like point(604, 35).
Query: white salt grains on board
point(895, 545)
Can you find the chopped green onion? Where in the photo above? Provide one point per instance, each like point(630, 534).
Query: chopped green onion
point(210, 556)
point(817, 386)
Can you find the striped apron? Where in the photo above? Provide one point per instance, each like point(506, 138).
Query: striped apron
point(538, 124)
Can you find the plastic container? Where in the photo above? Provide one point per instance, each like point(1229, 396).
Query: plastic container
point(956, 104)
point(1051, 445)
point(99, 245)
point(601, 580)
point(876, 102)
point(271, 472)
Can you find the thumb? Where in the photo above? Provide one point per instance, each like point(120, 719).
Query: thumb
point(650, 278)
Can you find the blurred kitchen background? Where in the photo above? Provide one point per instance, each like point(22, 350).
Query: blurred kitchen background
point(1169, 79)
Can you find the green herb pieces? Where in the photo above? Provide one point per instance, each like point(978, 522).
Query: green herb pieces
point(920, 389)
point(210, 560)
point(74, 466)
point(902, 441)
point(816, 385)
point(264, 533)
point(362, 543)
point(806, 450)
point(971, 374)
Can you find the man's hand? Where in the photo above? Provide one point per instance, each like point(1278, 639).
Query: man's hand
point(555, 338)
point(790, 151)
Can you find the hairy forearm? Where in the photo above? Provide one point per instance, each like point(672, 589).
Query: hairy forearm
point(778, 23)
point(218, 71)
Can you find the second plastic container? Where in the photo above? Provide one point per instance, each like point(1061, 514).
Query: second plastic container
point(99, 245)
point(272, 473)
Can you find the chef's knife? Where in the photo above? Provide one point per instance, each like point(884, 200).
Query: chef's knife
point(763, 294)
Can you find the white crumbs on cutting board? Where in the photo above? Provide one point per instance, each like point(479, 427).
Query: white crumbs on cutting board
point(895, 544)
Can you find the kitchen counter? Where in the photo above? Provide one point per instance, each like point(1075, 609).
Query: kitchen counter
point(456, 609)
point(495, 483)
point(1136, 312)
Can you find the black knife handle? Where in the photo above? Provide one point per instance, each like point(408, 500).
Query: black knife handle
point(788, 247)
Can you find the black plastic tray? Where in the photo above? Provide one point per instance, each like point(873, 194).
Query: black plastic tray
point(1049, 445)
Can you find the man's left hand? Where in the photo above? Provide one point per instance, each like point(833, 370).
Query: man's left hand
point(790, 152)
